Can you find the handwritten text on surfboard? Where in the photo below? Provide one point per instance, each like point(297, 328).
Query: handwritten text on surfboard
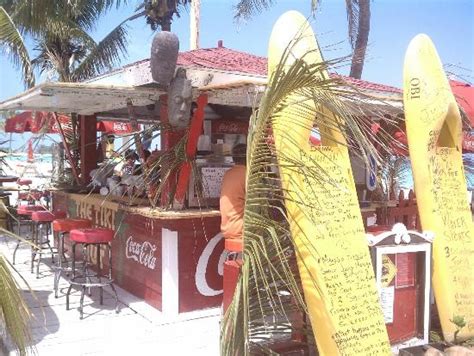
point(344, 264)
point(455, 224)
point(415, 88)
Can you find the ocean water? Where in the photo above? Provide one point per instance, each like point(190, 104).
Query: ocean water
point(22, 157)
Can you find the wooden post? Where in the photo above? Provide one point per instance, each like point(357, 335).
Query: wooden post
point(195, 131)
point(169, 139)
point(194, 19)
point(87, 144)
point(67, 149)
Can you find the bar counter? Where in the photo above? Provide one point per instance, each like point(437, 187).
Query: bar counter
point(171, 259)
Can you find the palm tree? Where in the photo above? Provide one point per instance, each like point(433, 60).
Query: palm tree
point(358, 18)
point(159, 13)
point(60, 30)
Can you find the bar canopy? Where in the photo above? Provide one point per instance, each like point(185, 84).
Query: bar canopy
point(80, 98)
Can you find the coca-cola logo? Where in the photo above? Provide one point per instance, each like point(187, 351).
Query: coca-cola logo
point(120, 126)
point(141, 252)
point(202, 284)
point(230, 127)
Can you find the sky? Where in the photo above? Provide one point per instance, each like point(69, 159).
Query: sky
point(449, 23)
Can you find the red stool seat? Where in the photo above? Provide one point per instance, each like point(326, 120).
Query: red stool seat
point(42, 216)
point(233, 245)
point(28, 209)
point(60, 214)
point(23, 181)
point(66, 225)
point(92, 235)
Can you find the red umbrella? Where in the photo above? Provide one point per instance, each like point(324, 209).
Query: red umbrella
point(464, 94)
point(19, 123)
point(39, 121)
point(35, 122)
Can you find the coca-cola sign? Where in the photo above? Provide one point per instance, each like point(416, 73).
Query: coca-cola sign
point(141, 252)
point(230, 127)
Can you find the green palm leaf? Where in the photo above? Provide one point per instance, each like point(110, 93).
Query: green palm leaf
point(12, 42)
point(14, 313)
point(105, 55)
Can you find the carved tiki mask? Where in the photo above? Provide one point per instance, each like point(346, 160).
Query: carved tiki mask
point(179, 100)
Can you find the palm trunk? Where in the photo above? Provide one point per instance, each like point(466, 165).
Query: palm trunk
point(166, 24)
point(362, 39)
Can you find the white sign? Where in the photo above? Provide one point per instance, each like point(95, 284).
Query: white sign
point(212, 181)
point(141, 252)
point(387, 298)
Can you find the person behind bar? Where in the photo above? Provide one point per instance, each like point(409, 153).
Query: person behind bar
point(232, 199)
point(128, 166)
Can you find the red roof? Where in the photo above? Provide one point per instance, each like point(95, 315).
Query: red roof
point(241, 62)
point(464, 94)
point(224, 59)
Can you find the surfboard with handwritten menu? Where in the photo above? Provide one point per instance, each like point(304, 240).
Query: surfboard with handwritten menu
point(333, 257)
point(434, 132)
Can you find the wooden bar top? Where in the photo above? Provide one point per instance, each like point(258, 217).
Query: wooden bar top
point(146, 211)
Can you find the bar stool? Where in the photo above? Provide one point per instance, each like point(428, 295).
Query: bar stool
point(24, 216)
point(42, 219)
point(95, 237)
point(24, 182)
point(61, 227)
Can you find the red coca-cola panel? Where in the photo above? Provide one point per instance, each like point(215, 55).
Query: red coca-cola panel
point(201, 262)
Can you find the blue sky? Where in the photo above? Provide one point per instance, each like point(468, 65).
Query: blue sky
point(450, 24)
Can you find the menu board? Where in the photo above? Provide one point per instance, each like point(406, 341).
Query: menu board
point(212, 181)
point(454, 243)
point(330, 238)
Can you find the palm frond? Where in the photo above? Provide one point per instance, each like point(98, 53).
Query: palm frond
point(352, 12)
point(246, 9)
point(14, 313)
point(12, 42)
point(105, 55)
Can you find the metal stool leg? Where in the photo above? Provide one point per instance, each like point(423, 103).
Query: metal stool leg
point(59, 267)
point(109, 248)
point(18, 242)
point(40, 252)
point(73, 274)
point(81, 303)
point(33, 248)
point(101, 289)
point(48, 228)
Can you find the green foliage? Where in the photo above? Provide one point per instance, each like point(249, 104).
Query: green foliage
point(460, 322)
point(14, 313)
point(64, 49)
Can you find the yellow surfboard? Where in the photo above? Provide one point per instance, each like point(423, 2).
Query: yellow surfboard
point(333, 256)
point(434, 134)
